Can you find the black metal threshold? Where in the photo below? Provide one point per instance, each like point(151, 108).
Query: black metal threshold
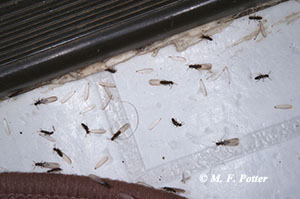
point(41, 40)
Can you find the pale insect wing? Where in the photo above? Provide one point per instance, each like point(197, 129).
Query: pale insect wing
point(125, 127)
point(206, 66)
point(107, 84)
point(98, 131)
point(178, 190)
point(227, 73)
point(106, 104)
point(283, 106)
point(87, 109)
point(48, 137)
point(108, 92)
point(67, 97)
point(66, 159)
point(6, 126)
point(233, 142)
point(125, 196)
point(154, 124)
point(217, 76)
point(95, 178)
point(51, 165)
point(101, 162)
point(144, 71)
point(154, 82)
point(262, 29)
point(203, 88)
point(178, 58)
point(49, 99)
point(86, 92)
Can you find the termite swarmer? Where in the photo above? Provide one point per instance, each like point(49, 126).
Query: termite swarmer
point(283, 106)
point(111, 70)
point(63, 155)
point(263, 76)
point(45, 100)
point(99, 180)
point(95, 131)
point(54, 170)
point(158, 82)
point(176, 123)
point(47, 132)
point(229, 142)
point(206, 37)
point(86, 128)
point(173, 190)
point(254, 17)
point(58, 151)
point(121, 130)
point(49, 165)
point(200, 66)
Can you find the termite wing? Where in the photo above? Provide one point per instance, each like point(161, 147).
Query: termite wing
point(101, 162)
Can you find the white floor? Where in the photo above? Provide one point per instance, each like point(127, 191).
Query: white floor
point(240, 108)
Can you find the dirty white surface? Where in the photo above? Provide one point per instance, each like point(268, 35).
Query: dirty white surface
point(242, 108)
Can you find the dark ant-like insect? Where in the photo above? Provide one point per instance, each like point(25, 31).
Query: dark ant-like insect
point(254, 17)
point(47, 132)
point(115, 135)
point(173, 190)
point(45, 100)
point(49, 165)
point(206, 37)
point(86, 128)
point(40, 164)
point(200, 66)
point(63, 155)
point(54, 170)
point(229, 142)
point(99, 180)
point(121, 130)
point(111, 70)
point(58, 151)
point(159, 82)
point(263, 76)
point(176, 123)
point(166, 82)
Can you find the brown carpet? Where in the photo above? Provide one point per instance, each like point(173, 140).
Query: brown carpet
point(44, 185)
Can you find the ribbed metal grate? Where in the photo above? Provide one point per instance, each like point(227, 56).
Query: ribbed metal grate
point(29, 27)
